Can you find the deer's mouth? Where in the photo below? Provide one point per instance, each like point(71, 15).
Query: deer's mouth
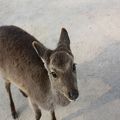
point(66, 96)
point(72, 96)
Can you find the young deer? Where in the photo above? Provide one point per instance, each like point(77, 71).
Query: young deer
point(47, 77)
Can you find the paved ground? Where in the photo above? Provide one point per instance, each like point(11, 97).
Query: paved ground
point(94, 29)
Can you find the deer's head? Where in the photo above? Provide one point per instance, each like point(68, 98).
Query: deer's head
point(60, 66)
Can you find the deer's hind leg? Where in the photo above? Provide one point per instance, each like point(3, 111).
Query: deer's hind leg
point(23, 93)
point(12, 106)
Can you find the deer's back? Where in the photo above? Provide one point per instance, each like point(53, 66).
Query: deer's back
point(19, 62)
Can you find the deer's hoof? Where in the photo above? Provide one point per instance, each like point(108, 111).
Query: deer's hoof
point(14, 115)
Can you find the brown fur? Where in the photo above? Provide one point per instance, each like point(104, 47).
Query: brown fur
point(27, 63)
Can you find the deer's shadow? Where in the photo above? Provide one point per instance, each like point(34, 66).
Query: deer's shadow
point(105, 67)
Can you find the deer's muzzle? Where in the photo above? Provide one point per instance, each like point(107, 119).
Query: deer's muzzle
point(73, 94)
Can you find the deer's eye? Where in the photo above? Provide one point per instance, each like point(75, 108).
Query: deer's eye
point(74, 67)
point(54, 74)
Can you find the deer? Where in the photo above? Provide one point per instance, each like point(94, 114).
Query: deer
point(46, 77)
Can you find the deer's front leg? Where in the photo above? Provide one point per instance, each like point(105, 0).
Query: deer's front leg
point(36, 110)
point(53, 115)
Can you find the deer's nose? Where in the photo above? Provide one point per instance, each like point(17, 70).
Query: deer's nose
point(73, 94)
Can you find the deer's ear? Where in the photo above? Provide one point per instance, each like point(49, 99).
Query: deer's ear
point(39, 48)
point(42, 52)
point(64, 39)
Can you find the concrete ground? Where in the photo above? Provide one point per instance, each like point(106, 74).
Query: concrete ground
point(94, 29)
